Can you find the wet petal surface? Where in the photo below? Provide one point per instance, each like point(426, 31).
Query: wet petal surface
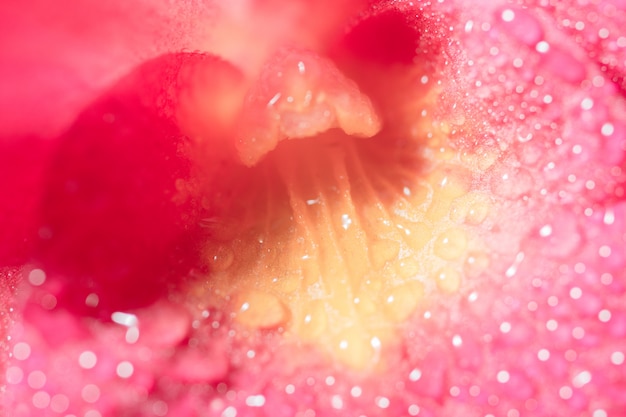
point(465, 260)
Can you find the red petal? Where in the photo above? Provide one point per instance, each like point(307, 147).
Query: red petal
point(120, 211)
point(58, 57)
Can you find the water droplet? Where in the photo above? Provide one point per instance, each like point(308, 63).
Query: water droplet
point(575, 293)
point(451, 244)
point(543, 355)
point(566, 392)
point(382, 402)
point(545, 231)
point(503, 377)
point(312, 202)
point(336, 402)
point(604, 251)
point(603, 33)
point(581, 379)
point(59, 403)
point(402, 300)
point(229, 411)
point(41, 399)
point(14, 375)
point(87, 359)
point(90, 393)
point(255, 401)
point(604, 315)
point(124, 319)
point(542, 47)
point(48, 301)
point(578, 333)
point(586, 103)
point(415, 375)
point(505, 327)
point(448, 279)
point(259, 309)
point(607, 129)
point(36, 277)
point(92, 300)
point(346, 221)
point(617, 358)
point(508, 15)
point(124, 369)
point(220, 257)
point(160, 408)
point(21, 351)
point(132, 335)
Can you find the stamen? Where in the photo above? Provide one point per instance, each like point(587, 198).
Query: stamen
point(300, 94)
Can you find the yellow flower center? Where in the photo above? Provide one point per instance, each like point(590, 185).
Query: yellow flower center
point(338, 237)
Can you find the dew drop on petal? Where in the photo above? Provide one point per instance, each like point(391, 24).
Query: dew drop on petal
point(87, 359)
point(90, 393)
point(581, 379)
point(125, 369)
point(59, 403)
point(14, 375)
point(21, 351)
point(41, 399)
point(36, 379)
point(617, 358)
point(36, 277)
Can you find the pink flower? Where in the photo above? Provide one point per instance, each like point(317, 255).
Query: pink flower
point(297, 208)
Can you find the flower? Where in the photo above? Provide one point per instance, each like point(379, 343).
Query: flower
point(399, 208)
